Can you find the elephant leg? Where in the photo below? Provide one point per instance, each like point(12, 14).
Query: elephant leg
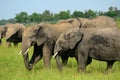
point(15, 44)
point(64, 60)
point(26, 61)
point(76, 59)
point(89, 60)
point(37, 55)
point(0, 42)
point(8, 44)
point(46, 55)
point(109, 65)
point(82, 61)
point(57, 58)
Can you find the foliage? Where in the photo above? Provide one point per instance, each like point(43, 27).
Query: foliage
point(35, 17)
point(50, 17)
point(64, 14)
point(11, 20)
point(118, 22)
point(2, 22)
point(78, 14)
point(89, 14)
point(22, 17)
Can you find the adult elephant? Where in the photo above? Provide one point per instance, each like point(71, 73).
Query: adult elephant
point(87, 43)
point(99, 21)
point(43, 38)
point(2, 33)
point(14, 33)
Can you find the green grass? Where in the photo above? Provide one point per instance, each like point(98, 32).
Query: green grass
point(118, 22)
point(12, 68)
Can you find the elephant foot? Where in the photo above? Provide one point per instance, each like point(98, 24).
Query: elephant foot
point(29, 67)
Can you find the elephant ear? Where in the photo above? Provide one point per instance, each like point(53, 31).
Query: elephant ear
point(74, 36)
point(76, 22)
point(41, 35)
point(11, 31)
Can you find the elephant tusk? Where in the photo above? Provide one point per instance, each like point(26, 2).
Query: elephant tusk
point(26, 51)
point(55, 55)
point(20, 52)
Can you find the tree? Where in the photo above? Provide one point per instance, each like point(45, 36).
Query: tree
point(3, 22)
point(90, 14)
point(100, 13)
point(64, 14)
point(11, 20)
point(46, 15)
point(78, 14)
point(113, 12)
point(22, 17)
point(35, 17)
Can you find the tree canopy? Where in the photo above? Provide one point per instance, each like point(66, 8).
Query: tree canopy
point(47, 16)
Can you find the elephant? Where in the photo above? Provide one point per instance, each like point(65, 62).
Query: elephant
point(99, 21)
point(89, 43)
point(42, 37)
point(2, 33)
point(14, 33)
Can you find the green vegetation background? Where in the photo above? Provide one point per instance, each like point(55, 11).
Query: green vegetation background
point(50, 17)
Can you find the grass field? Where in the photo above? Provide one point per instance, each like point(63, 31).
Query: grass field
point(12, 68)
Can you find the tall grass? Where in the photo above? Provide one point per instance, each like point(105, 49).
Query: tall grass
point(118, 22)
point(12, 68)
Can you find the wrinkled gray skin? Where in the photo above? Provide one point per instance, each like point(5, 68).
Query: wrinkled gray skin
point(14, 33)
point(2, 33)
point(90, 43)
point(43, 47)
point(43, 38)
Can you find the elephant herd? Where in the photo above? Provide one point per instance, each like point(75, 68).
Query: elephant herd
point(85, 39)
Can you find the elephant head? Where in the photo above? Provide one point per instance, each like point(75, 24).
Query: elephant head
point(73, 21)
point(68, 40)
point(3, 30)
point(14, 32)
point(33, 35)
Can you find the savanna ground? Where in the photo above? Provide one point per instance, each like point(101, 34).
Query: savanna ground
point(12, 68)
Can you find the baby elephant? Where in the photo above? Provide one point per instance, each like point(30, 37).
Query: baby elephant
point(98, 43)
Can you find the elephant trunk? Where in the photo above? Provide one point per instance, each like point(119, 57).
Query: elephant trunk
point(56, 50)
point(25, 45)
point(25, 49)
point(0, 36)
point(26, 61)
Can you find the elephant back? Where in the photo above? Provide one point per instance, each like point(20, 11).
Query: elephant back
point(99, 21)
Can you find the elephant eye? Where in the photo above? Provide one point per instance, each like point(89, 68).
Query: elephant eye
point(60, 42)
point(66, 37)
